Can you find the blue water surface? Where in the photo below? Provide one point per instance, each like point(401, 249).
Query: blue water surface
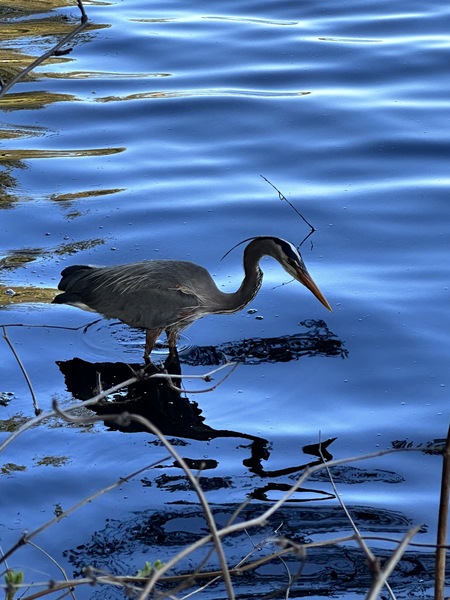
point(149, 141)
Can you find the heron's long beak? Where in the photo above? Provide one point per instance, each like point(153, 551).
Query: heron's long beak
point(305, 278)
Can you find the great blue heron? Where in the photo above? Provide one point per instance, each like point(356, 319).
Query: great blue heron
point(169, 295)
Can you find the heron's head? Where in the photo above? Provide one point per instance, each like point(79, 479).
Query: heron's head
point(292, 262)
point(286, 254)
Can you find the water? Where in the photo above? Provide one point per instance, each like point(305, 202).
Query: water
point(148, 141)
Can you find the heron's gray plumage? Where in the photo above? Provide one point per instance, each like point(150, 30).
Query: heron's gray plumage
point(145, 294)
point(169, 295)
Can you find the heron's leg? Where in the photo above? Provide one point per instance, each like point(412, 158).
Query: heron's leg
point(172, 363)
point(151, 335)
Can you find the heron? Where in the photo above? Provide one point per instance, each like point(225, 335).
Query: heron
point(169, 295)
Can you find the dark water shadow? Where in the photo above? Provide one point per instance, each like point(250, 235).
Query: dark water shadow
point(323, 571)
point(317, 340)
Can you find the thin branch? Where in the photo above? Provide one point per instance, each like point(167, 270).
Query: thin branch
point(55, 562)
point(83, 13)
point(86, 403)
point(382, 576)
point(284, 199)
point(37, 410)
point(371, 559)
point(24, 539)
point(56, 586)
point(214, 535)
point(203, 501)
point(42, 326)
point(439, 576)
point(43, 416)
point(263, 517)
point(55, 51)
point(369, 554)
point(288, 547)
point(206, 377)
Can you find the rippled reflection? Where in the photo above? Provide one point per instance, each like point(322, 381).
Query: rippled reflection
point(322, 572)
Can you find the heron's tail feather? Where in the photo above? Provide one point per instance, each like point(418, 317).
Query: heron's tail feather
point(66, 298)
point(72, 274)
point(75, 286)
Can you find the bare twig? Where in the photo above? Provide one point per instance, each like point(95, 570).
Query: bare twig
point(37, 410)
point(100, 577)
point(370, 556)
point(214, 535)
point(24, 539)
point(263, 517)
point(371, 559)
point(206, 508)
point(379, 576)
point(283, 198)
point(55, 562)
point(382, 575)
point(439, 576)
point(55, 51)
point(287, 547)
point(56, 586)
point(206, 377)
point(43, 416)
point(42, 326)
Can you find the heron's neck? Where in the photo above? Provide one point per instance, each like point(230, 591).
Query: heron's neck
point(251, 283)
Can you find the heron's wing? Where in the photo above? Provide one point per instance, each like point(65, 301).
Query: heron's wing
point(150, 294)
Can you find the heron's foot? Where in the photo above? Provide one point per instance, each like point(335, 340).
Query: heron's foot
point(172, 365)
